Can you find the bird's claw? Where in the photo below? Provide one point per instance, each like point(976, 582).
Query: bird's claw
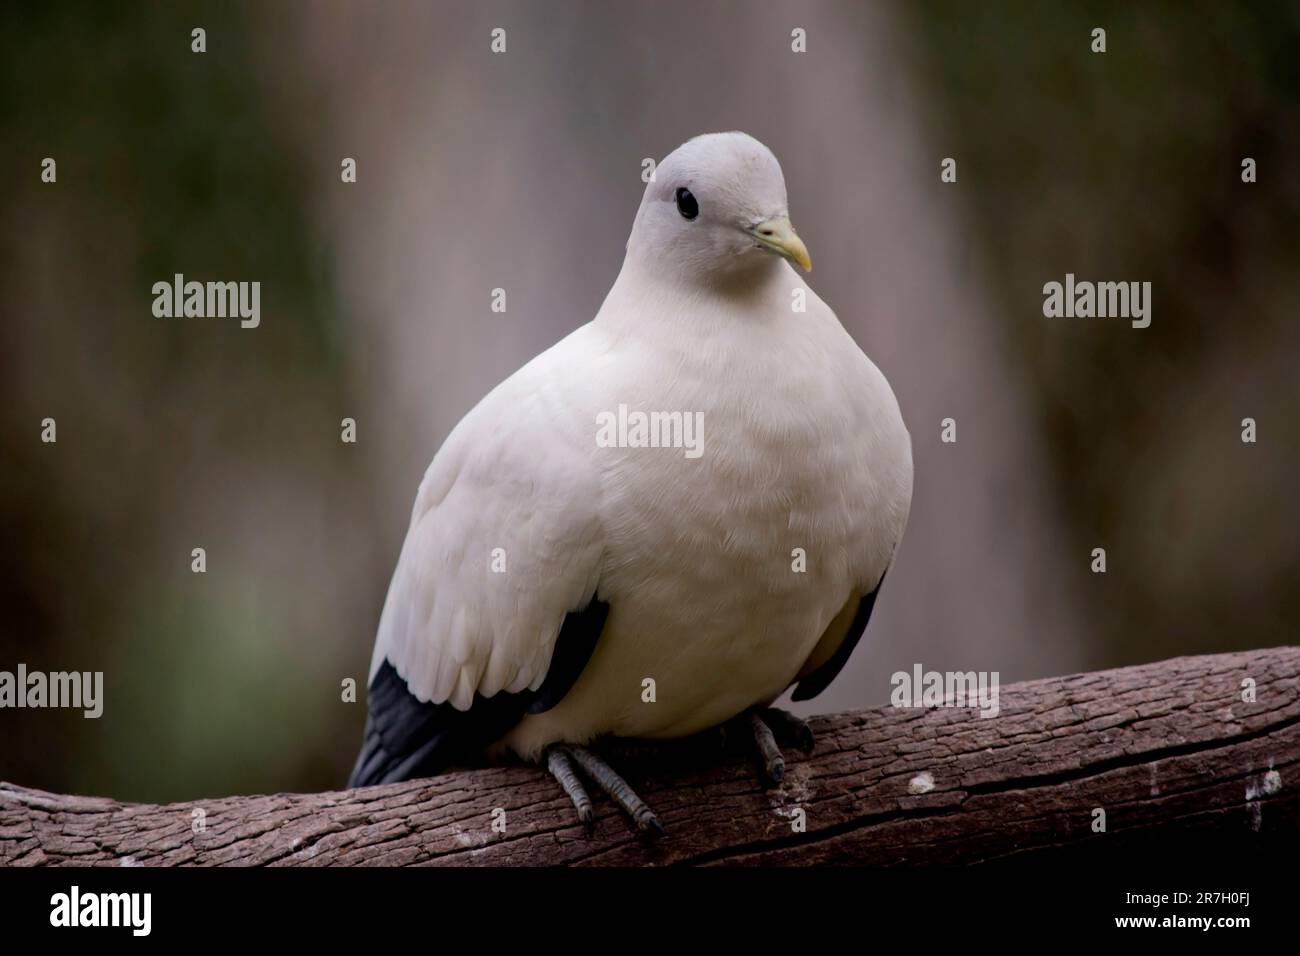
point(789, 729)
point(767, 725)
point(560, 761)
point(768, 751)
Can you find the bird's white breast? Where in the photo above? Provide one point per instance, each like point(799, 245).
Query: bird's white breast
point(722, 571)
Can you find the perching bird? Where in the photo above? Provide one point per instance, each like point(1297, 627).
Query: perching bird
point(548, 575)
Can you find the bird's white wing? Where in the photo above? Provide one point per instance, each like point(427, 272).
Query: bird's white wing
point(504, 541)
point(885, 473)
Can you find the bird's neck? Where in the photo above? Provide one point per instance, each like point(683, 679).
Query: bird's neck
point(659, 298)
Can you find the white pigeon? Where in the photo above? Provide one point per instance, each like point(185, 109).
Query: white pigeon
point(570, 574)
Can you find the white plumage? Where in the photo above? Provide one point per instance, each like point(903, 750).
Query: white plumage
point(803, 448)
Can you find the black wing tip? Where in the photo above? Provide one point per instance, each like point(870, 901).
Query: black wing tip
point(822, 677)
point(406, 737)
point(800, 693)
point(574, 645)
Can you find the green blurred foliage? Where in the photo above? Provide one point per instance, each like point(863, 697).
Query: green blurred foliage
point(172, 434)
point(1126, 165)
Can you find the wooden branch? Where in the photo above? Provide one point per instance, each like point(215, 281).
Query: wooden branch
point(1168, 748)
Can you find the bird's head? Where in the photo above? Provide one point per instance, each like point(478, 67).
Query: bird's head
point(716, 210)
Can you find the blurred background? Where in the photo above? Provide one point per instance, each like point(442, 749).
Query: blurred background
point(522, 171)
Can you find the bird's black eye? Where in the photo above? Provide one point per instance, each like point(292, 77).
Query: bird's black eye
point(686, 204)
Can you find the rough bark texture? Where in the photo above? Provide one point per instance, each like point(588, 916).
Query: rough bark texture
point(1169, 748)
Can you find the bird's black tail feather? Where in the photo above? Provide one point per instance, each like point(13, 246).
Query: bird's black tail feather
point(406, 737)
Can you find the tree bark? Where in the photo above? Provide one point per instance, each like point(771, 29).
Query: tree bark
point(1205, 745)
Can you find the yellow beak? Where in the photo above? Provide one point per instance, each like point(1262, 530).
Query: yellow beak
point(778, 235)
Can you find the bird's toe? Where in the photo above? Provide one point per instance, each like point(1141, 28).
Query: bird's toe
point(768, 751)
point(562, 760)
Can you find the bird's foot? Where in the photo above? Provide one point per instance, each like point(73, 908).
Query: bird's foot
point(790, 731)
point(767, 726)
point(561, 760)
